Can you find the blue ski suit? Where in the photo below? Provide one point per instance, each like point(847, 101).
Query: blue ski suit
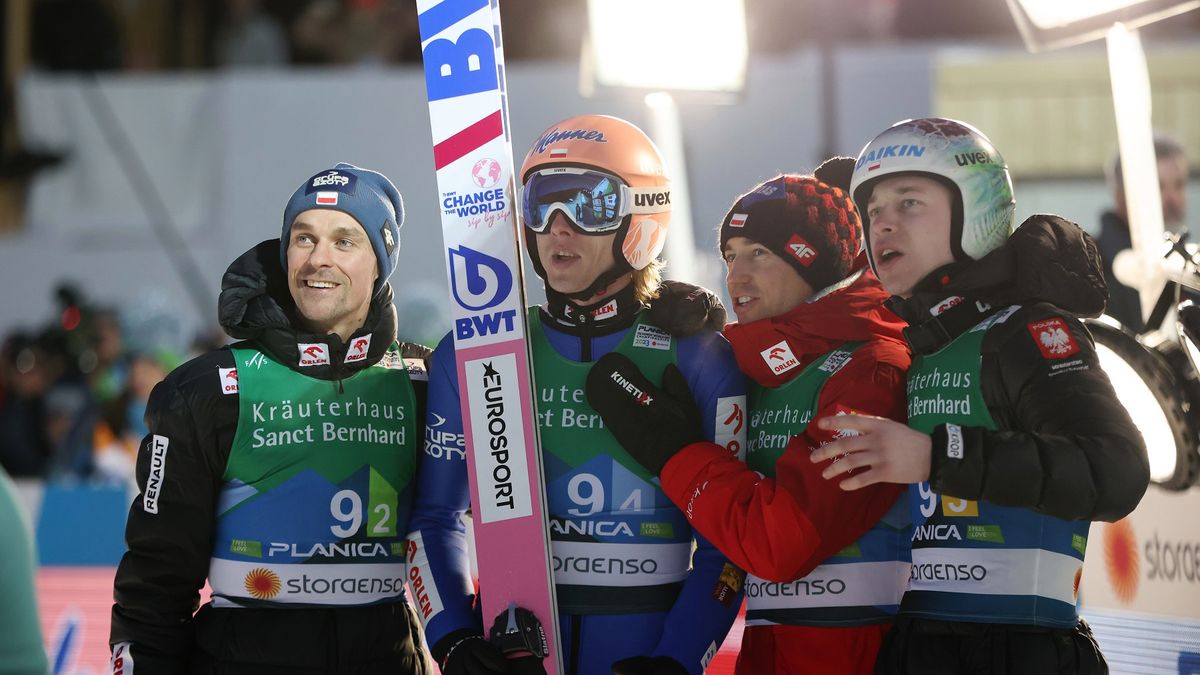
point(621, 548)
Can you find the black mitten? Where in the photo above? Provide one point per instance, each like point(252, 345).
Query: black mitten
point(474, 655)
point(682, 309)
point(648, 665)
point(652, 423)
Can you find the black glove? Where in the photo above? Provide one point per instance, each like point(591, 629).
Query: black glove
point(648, 665)
point(474, 655)
point(650, 422)
point(682, 309)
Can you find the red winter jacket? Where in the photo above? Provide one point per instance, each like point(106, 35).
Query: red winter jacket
point(780, 529)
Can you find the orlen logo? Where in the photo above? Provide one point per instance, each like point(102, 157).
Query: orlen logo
point(479, 281)
point(801, 250)
point(731, 425)
point(952, 301)
point(261, 583)
point(229, 381)
point(486, 172)
point(122, 660)
point(1121, 560)
point(779, 357)
point(313, 354)
point(359, 347)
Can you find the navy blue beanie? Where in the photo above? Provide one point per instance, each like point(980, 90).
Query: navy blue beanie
point(365, 195)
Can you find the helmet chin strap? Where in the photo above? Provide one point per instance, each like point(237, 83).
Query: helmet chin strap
point(602, 282)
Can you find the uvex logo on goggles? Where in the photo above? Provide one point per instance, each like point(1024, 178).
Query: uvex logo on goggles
point(594, 201)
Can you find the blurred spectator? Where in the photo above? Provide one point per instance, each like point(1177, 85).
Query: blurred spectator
point(122, 426)
point(1123, 302)
point(249, 36)
point(21, 645)
point(70, 411)
point(24, 379)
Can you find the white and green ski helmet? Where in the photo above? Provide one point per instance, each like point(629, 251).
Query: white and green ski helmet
point(960, 157)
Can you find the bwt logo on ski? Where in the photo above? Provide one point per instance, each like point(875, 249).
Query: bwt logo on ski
point(478, 282)
point(313, 354)
point(474, 203)
point(358, 349)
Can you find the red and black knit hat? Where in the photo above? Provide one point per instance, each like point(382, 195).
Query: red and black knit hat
point(808, 223)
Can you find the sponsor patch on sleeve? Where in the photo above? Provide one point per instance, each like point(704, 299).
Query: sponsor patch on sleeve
point(229, 380)
point(651, 337)
point(731, 425)
point(420, 579)
point(1053, 338)
point(122, 659)
point(954, 441)
point(158, 473)
point(729, 584)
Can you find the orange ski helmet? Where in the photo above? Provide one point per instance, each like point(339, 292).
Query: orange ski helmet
point(606, 176)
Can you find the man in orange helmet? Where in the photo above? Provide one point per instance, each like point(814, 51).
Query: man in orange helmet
point(632, 596)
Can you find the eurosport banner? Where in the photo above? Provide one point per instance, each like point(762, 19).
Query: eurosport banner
point(463, 60)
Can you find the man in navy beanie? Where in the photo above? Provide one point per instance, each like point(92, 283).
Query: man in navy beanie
point(279, 468)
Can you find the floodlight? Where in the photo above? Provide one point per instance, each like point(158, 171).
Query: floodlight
point(668, 45)
point(1051, 24)
point(1154, 397)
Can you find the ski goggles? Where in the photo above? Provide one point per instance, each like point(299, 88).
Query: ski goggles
point(594, 201)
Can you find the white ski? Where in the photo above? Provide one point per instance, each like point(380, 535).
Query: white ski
point(464, 77)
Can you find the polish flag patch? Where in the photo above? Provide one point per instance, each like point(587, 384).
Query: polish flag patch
point(738, 220)
point(327, 198)
point(558, 152)
point(1053, 338)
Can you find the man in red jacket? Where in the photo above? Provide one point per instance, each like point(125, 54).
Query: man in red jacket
point(826, 567)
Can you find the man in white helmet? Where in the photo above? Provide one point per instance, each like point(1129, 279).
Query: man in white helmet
point(633, 598)
point(1015, 439)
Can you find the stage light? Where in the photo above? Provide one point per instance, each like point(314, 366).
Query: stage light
point(1051, 24)
point(1155, 399)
